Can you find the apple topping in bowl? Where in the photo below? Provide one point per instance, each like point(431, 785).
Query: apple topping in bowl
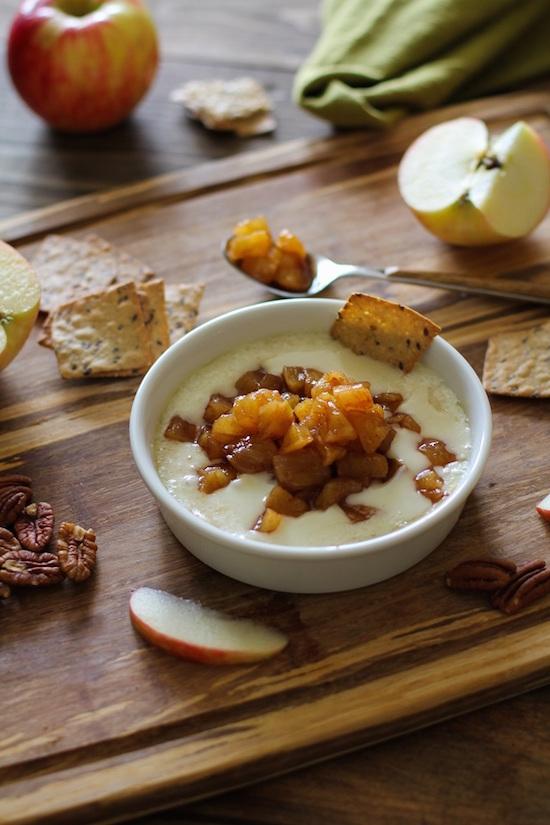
point(283, 263)
point(321, 436)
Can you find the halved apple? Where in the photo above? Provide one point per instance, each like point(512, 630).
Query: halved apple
point(471, 190)
point(543, 508)
point(19, 302)
point(191, 631)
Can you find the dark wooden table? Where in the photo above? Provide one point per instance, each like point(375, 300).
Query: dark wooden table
point(488, 767)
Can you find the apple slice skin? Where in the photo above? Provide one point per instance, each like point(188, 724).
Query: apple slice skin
point(543, 508)
point(201, 653)
point(461, 224)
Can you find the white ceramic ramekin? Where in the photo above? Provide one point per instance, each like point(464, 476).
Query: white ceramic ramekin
point(299, 569)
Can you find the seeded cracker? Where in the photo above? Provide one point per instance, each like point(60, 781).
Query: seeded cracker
point(384, 330)
point(518, 363)
point(151, 297)
point(239, 105)
point(69, 268)
point(102, 335)
point(182, 308)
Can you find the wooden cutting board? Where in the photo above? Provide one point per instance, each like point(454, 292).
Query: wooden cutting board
point(97, 726)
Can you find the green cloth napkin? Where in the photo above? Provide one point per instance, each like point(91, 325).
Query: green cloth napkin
point(377, 60)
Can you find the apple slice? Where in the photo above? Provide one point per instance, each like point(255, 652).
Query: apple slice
point(470, 190)
point(19, 302)
point(543, 508)
point(191, 631)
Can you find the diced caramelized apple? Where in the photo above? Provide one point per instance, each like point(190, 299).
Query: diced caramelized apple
point(301, 469)
point(292, 398)
point(296, 437)
point(294, 378)
point(325, 421)
point(357, 512)
point(436, 451)
point(430, 484)
point(293, 274)
point(251, 455)
point(301, 380)
point(337, 490)
point(310, 381)
point(363, 467)
point(246, 408)
point(251, 225)
point(213, 449)
point(226, 429)
point(268, 521)
point(258, 380)
point(285, 503)
point(330, 453)
point(370, 427)
point(217, 405)
point(386, 443)
point(179, 429)
point(353, 398)
point(405, 421)
point(337, 428)
point(253, 245)
point(303, 409)
point(264, 269)
point(288, 242)
point(377, 465)
point(214, 477)
point(275, 418)
point(328, 381)
point(390, 400)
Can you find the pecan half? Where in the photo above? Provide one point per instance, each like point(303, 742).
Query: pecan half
point(26, 568)
point(15, 493)
point(531, 582)
point(8, 541)
point(481, 574)
point(34, 526)
point(76, 549)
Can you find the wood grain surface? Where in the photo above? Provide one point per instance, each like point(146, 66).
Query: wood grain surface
point(126, 728)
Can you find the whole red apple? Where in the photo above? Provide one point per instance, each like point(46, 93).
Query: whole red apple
point(82, 65)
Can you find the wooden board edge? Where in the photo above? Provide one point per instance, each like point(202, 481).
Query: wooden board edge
point(81, 211)
point(219, 759)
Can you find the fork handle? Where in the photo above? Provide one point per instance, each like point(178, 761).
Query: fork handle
point(529, 284)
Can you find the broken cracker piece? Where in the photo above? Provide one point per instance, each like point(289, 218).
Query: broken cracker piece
point(182, 308)
point(239, 105)
point(385, 330)
point(102, 335)
point(518, 363)
point(69, 268)
point(151, 296)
